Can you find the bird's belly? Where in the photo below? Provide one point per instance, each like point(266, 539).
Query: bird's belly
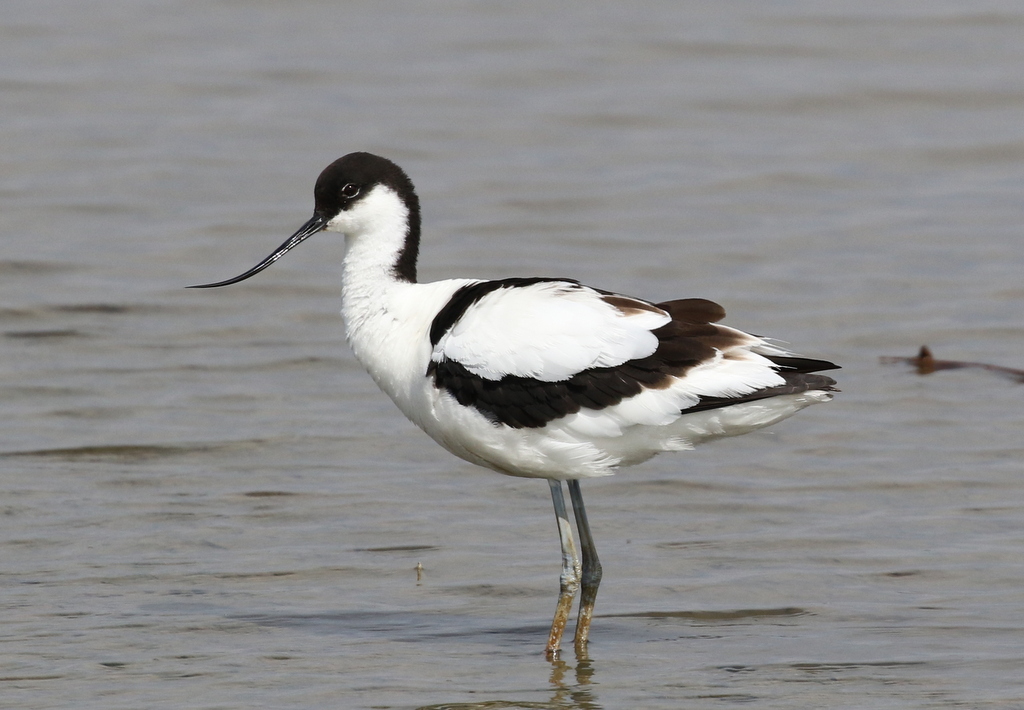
point(535, 452)
point(560, 451)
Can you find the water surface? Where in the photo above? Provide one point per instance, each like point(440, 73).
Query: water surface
point(208, 504)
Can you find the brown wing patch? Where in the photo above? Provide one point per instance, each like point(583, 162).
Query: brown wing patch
point(693, 310)
point(629, 306)
point(688, 343)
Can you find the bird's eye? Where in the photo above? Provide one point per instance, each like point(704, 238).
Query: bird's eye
point(350, 190)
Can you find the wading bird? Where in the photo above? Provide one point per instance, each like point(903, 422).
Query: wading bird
point(540, 377)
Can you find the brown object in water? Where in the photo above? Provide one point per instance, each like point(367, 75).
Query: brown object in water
point(925, 364)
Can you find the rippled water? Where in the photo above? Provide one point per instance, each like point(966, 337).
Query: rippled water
point(206, 502)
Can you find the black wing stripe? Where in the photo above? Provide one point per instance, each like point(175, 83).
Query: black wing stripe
point(466, 296)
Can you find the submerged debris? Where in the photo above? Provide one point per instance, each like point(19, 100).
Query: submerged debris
point(925, 364)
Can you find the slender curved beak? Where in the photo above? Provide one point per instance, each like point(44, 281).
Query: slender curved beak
point(316, 224)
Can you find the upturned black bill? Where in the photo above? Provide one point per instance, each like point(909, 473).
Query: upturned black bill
point(315, 224)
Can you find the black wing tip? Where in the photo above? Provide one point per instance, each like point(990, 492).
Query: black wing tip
point(798, 365)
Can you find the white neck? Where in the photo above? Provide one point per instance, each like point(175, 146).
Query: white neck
point(375, 234)
point(388, 341)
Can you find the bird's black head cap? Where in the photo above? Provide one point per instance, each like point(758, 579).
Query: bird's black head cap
point(349, 178)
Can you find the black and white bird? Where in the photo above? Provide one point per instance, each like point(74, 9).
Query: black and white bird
point(540, 377)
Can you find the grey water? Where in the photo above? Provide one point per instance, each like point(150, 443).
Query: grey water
point(206, 503)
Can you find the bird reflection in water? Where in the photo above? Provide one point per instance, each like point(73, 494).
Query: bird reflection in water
point(571, 687)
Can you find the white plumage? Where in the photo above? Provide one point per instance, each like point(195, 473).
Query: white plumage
point(548, 331)
point(541, 378)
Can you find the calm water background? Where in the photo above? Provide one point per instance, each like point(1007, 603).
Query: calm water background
point(206, 502)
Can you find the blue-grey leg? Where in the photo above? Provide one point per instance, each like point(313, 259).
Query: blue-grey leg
point(591, 573)
point(571, 571)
